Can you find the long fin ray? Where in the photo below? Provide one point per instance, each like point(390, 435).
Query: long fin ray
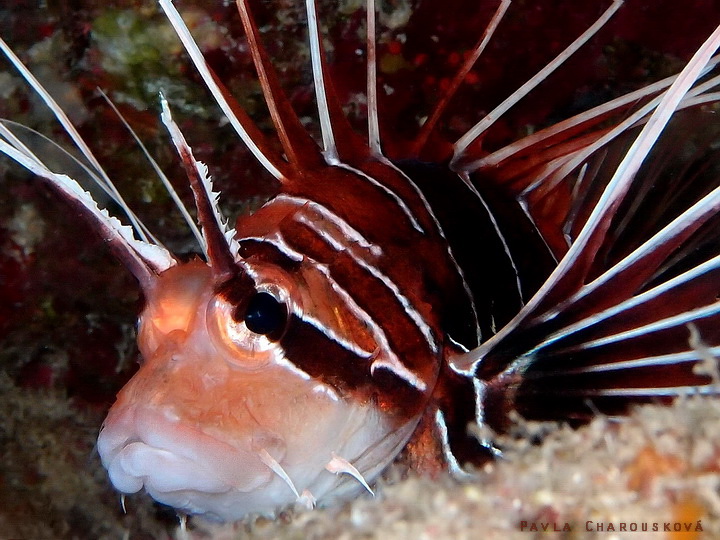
point(372, 95)
point(639, 266)
point(573, 267)
point(560, 168)
point(686, 291)
point(614, 281)
point(161, 175)
point(540, 197)
point(99, 175)
point(660, 362)
point(539, 169)
point(340, 141)
point(440, 107)
point(238, 118)
point(319, 68)
point(143, 259)
point(566, 129)
point(460, 156)
point(298, 145)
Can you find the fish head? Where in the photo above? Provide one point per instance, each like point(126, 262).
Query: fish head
point(219, 421)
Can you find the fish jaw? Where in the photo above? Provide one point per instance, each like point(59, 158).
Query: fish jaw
point(144, 448)
point(216, 469)
point(207, 433)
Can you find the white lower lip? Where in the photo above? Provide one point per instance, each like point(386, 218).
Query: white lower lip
point(141, 447)
point(160, 471)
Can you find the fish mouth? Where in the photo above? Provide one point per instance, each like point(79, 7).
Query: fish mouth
point(224, 472)
point(145, 448)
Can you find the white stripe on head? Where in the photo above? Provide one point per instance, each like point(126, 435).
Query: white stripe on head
point(388, 359)
point(377, 274)
point(348, 230)
point(398, 200)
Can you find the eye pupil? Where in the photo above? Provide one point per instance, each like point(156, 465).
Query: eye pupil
point(265, 314)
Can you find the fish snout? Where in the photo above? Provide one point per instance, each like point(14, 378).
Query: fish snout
point(178, 464)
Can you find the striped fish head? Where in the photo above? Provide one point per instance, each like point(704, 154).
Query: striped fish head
point(255, 391)
point(308, 345)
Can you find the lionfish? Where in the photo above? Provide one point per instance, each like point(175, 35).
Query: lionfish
point(381, 301)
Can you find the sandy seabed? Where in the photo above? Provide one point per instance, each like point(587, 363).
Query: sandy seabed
point(657, 469)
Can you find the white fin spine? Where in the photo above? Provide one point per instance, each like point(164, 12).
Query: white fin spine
point(372, 94)
point(613, 194)
point(478, 129)
point(201, 65)
point(328, 137)
point(681, 227)
point(628, 168)
point(17, 143)
point(141, 257)
point(560, 168)
point(76, 138)
point(616, 104)
point(459, 77)
point(163, 177)
point(660, 360)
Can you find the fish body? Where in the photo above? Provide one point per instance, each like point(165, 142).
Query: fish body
point(379, 302)
point(367, 303)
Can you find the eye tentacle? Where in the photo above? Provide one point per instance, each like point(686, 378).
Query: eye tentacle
point(219, 243)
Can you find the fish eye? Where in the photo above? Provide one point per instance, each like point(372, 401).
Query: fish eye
point(265, 315)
